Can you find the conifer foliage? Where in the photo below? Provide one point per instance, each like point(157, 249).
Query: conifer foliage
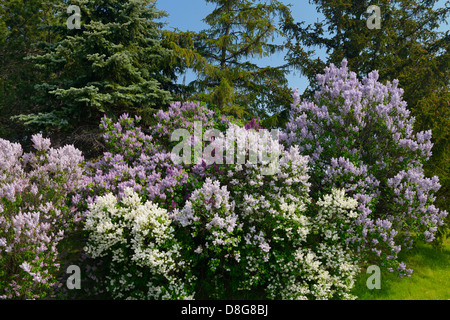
point(223, 55)
point(111, 65)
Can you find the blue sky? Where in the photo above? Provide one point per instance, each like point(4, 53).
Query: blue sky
point(188, 14)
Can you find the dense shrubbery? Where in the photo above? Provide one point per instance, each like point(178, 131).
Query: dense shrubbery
point(359, 136)
point(138, 241)
point(345, 187)
point(36, 215)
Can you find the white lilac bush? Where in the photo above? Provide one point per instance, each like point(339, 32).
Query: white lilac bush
point(36, 216)
point(359, 136)
point(322, 266)
point(136, 240)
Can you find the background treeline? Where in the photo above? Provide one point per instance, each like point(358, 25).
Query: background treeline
point(61, 82)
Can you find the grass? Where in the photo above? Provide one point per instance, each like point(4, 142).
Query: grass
point(430, 279)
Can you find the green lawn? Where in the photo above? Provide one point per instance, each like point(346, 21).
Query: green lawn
point(430, 279)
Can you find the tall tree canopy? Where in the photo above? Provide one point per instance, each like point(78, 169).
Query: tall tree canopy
point(20, 28)
point(224, 55)
point(408, 46)
point(113, 64)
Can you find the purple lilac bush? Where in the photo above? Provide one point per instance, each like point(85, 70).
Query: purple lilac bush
point(141, 160)
point(133, 160)
point(35, 215)
point(359, 137)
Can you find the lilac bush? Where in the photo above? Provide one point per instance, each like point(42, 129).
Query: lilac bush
point(140, 159)
point(136, 241)
point(35, 215)
point(239, 229)
point(247, 232)
point(134, 161)
point(359, 137)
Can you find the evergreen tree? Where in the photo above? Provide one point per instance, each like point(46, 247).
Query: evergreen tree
point(21, 24)
point(223, 56)
point(113, 64)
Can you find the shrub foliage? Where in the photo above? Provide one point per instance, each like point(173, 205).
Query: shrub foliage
point(346, 187)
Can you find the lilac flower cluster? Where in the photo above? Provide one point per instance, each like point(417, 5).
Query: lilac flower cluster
point(212, 227)
point(183, 116)
point(253, 124)
point(134, 160)
point(359, 136)
point(35, 215)
point(142, 161)
point(413, 193)
point(137, 239)
point(322, 266)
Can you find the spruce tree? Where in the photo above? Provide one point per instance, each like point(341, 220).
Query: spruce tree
point(113, 64)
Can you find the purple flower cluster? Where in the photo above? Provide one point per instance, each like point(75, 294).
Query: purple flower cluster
point(253, 124)
point(142, 161)
point(359, 136)
point(413, 201)
point(134, 160)
point(35, 215)
point(181, 116)
point(212, 223)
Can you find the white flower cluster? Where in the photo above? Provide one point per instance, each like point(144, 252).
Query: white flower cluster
point(251, 147)
point(321, 267)
point(213, 197)
point(274, 212)
point(129, 233)
point(339, 205)
point(318, 275)
point(335, 211)
point(209, 213)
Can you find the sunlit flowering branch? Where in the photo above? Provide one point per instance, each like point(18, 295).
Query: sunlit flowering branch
point(359, 136)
